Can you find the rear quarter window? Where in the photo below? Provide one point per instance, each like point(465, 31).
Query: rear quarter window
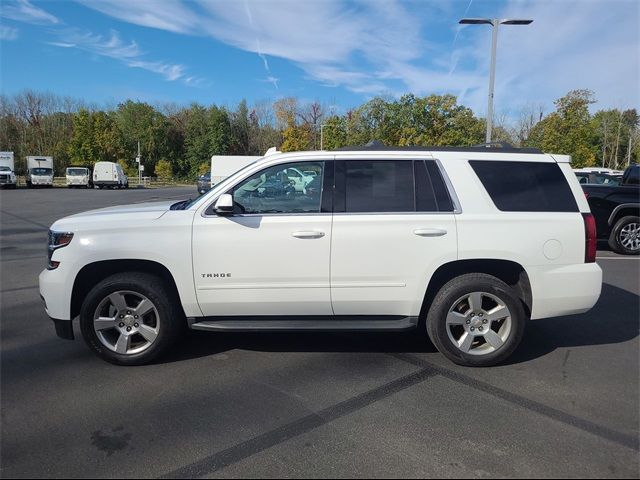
point(525, 186)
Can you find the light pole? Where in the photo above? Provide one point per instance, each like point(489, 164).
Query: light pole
point(495, 23)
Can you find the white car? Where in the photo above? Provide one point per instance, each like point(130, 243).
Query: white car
point(464, 244)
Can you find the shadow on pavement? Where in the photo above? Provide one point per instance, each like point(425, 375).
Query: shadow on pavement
point(614, 319)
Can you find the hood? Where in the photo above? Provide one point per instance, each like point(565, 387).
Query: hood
point(121, 214)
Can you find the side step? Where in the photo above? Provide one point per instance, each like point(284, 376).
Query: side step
point(306, 324)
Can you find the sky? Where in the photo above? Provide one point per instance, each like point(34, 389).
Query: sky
point(341, 53)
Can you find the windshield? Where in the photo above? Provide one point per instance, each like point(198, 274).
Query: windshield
point(5, 169)
point(41, 171)
point(76, 171)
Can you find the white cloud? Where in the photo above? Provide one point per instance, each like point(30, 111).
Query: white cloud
point(374, 47)
point(8, 33)
point(25, 11)
point(128, 53)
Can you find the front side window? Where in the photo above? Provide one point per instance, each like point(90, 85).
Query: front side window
point(281, 189)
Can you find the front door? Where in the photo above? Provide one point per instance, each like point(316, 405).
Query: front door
point(271, 256)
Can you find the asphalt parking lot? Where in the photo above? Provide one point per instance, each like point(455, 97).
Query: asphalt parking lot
point(309, 405)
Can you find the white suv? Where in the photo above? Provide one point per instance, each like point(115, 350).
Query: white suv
point(466, 244)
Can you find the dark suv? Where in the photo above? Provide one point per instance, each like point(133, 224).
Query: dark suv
point(204, 183)
point(617, 211)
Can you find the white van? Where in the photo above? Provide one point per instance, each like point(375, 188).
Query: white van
point(109, 175)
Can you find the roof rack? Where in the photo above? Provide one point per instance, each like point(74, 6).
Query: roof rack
point(502, 147)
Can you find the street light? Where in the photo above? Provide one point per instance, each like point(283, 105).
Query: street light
point(494, 22)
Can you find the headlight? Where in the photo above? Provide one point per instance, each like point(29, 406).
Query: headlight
point(57, 240)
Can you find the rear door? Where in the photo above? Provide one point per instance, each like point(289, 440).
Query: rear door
point(393, 227)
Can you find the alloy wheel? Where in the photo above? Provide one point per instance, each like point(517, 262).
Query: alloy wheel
point(629, 236)
point(478, 323)
point(126, 322)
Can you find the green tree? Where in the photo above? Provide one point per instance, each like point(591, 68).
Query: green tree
point(569, 130)
point(138, 121)
point(164, 170)
point(296, 138)
point(239, 130)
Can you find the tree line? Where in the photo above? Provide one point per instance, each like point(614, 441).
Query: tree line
point(178, 141)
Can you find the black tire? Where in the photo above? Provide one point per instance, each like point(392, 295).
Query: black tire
point(171, 320)
point(448, 296)
point(615, 240)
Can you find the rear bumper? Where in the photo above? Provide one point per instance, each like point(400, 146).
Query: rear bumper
point(564, 290)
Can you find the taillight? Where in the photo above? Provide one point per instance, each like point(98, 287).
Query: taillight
point(590, 240)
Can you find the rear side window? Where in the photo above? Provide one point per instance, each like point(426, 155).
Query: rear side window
point(379, 186)
point(525, 186)
point(398, 186)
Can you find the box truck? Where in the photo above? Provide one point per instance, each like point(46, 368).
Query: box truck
point(7, 171)
point(109, 175)
point(79, 176)
point(39, 171)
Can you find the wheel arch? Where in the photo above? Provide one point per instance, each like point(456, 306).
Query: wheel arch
point(624, 210)
point(93, 273)
point(510, 272)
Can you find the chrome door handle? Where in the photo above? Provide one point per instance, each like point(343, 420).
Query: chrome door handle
point(430, 232)
point(308, 234)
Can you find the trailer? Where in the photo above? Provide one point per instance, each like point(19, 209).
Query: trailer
point(223, 166)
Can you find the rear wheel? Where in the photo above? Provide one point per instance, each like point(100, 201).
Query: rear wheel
point(476, 320)
point(130, 319)
point(625, 236)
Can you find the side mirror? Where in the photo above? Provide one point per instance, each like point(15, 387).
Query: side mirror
point(224, 204)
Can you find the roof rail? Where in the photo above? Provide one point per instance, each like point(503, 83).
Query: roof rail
point(492, 144)
point(504, 147)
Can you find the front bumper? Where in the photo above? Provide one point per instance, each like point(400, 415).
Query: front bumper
point(56, 293)
point(564, 290)
point(57, 301)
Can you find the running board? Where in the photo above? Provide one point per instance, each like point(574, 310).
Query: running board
point(308, 324)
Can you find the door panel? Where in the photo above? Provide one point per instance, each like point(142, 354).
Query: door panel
point(254, 265)
point(381, 266)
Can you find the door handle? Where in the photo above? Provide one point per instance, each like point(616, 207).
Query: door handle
point(308, 234)
point(430, 232)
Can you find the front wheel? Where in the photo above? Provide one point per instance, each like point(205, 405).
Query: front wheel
point(625, 236)
point(130, 319)
point(476, 320)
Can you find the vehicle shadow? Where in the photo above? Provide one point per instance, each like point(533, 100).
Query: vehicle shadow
point(614, 319)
